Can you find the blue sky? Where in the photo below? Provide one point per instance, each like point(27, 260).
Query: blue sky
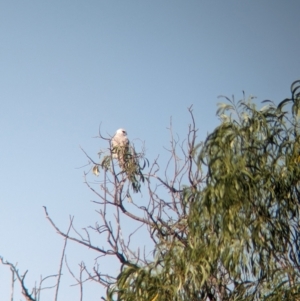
point(69, 66)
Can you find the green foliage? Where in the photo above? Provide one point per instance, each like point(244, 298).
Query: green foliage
point(238, 236)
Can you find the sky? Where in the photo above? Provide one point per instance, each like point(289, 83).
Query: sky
point(68, 68)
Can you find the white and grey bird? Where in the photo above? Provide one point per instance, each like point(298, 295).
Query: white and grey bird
point(120, 146)
point(127, 158)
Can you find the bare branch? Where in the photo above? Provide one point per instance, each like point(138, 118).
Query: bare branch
point(62, 257)
point(21, 279)
point(13, 279)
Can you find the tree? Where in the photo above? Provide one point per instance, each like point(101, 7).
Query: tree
point(223, 221)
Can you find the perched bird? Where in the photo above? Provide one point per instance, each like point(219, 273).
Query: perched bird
point(120, 146)
point(128, 159)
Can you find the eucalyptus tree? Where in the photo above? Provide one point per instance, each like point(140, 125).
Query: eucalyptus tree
point(222, 219)
point(234, 231)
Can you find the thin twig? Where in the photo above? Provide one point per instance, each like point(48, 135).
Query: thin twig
point(62, 258)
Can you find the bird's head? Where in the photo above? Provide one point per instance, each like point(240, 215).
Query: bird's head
point(121, 132)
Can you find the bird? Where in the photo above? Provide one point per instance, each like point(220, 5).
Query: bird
point(120, 146)
point(125, 153)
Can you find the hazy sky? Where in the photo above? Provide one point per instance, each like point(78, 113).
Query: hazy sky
point(69, 66)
